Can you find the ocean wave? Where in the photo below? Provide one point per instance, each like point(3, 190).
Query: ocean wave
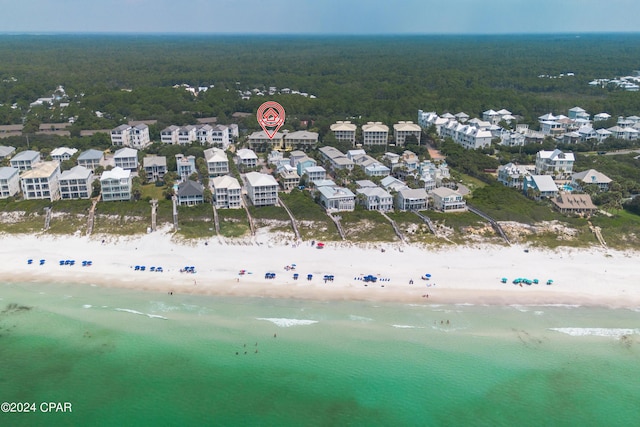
point(87, 306)
point(520, 308)
point(558, 305)
point(151, 316)
point(597, 332)
point(538, 313)
point(464, 304)
point(285, 323)
point(407, 327)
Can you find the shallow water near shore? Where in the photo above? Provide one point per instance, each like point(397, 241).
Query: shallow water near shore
point(124, 357)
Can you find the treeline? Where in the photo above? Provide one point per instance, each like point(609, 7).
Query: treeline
point(364, 78)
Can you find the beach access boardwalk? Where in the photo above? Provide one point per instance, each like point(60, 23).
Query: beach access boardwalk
point(427, 221)
point(493, 222)
point(395, 227)
point(336, 221)
point(294, 224)
point(47, 218)
point(92, 214)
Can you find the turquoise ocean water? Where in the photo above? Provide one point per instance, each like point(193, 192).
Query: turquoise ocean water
point(124, 357)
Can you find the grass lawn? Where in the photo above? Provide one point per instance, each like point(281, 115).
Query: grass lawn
point(366, 226)
point(196, 221)
point(413, 228)
point(233, 222)
point(621, 231)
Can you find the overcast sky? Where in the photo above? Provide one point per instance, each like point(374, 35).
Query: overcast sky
point(320, 16)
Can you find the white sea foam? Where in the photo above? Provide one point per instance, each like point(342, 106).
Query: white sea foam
point(407, 327)
point(560, 305)
point(598, 332)
point(464, 304)
point(520, 308)
point(360, 318)
point(151, 316)
point(538, 313)
point(285, 323)
point(87, 306)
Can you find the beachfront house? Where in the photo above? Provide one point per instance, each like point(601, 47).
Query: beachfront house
point(185, 166)
point(217, 162)
point(246, 158)
point(344, 131)
point(410, 199)
point(337, 199)
point(90, 159)
point(41, 181)
point(554, 163)
point(25, 160)
point(448, 200)
point(116, 184)
point(590, 177)
point(190, 193)
point(9, 182)
point(126, 158)
point(76, 183)
point(262, 189)
point(539, 186)
point(512, 175)
point(226, 192)
point(580, 204)
point(63, 153)
point(375, 199)
point(403, 129)
point(155, 167)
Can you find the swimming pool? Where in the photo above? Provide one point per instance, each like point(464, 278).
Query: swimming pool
point(567, 187)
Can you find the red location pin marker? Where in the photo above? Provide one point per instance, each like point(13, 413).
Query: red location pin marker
point(271, 117)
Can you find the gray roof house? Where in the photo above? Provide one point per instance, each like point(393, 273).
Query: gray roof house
point(25, 160)
point(190, 193)
point(6, 151)
point(155, 167)
point(90, 159)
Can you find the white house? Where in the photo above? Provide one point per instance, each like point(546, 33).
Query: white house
point(76, 183)
point(344, 131)
point(336, 159)
point(410, 199)
point(41, 181)
point(403, 129)
point(314, 173)
point(187, 135)
point(375, 133)
point(6, 151)
point(448, 200)
point(513, 175)
point(375, 199)
point(116, 184)
point(542, 184)
point(9, 182)
point(140, 136)
point(126, 158)
point(204, 134)
point(247, 158)
point(221, 136)
point(25, 160)
point(554, 163)
point(217, 162)
point(63, 153)
point(337, 199)
point(262, 189)
point(90, 159)
point(226, 192)
point(121, 136)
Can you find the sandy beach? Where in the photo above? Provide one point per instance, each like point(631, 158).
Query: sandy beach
point(459, 274)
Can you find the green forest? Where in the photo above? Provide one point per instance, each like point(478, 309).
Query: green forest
point(358, 78)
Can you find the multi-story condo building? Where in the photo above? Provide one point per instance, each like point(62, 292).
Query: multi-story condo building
point(221, 136)
point(187, 135)
point(344, 131)
point(226, 192)
point(262, 189)
point(76, 183)
point(121, 136)
point(375, 133)
point(155, 167)
point(402, 130)
point(126, 158)
point(9, 182)
point(140, 136)
point(217, 162)
point(25, 160)
point(169, 135)
point(258, 140)
point(204, 134)
point(300, 139)
point(41, 181)
point(116, 184)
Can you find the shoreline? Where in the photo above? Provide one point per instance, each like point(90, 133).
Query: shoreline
point(459, 275)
